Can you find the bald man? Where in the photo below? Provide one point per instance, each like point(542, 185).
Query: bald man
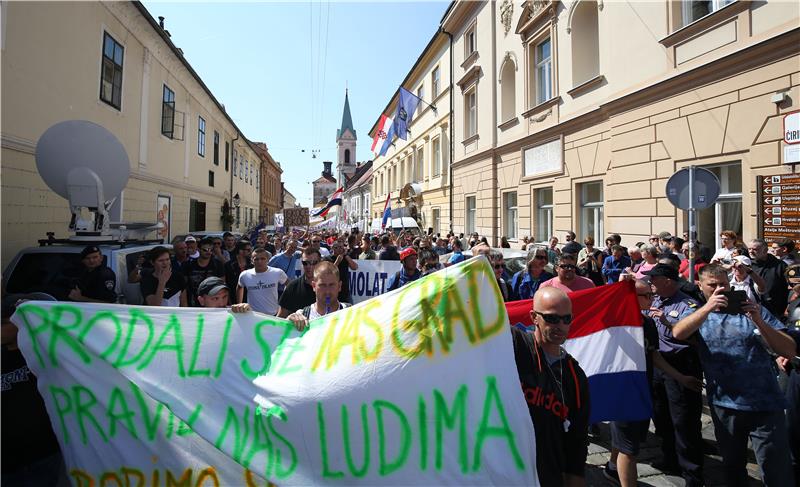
point(555, 389)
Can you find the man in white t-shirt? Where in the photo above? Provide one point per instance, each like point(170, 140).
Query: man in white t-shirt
point(261, 283)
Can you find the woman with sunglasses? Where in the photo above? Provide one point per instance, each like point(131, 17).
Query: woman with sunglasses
point(526, 282)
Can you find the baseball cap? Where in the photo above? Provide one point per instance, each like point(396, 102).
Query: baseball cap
point(407, 253)
point(665, 236)
point(190, 238)
point(89, 249)
point(665, 270)
point(211, 286)
point(742, 259)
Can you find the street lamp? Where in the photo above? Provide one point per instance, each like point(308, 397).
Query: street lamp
point(236, 200)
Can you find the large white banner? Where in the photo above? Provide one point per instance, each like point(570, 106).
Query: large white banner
point(368, 281)
point(418, 387)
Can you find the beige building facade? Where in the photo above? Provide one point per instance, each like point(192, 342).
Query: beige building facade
point(112, 64)
point(415, 173)
point(573, 115)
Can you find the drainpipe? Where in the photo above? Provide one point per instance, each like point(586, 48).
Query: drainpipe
point(452, 128)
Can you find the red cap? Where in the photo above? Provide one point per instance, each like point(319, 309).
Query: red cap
point(407, 252)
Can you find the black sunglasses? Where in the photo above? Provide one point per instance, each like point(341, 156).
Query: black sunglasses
point(498, 266)
point(567, 267)
point(555, 319)
point(310, 262)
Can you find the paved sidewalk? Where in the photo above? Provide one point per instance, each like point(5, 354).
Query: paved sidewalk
point(599, 453)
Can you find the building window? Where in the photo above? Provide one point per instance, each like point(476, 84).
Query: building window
point(695, 10)
point(421, 96)
point(471, 212)
point(347, 156)
point(420, 164)
point(471, 112)
point(252, 173)
point(585, 43)
point(216, 148)
point(436, 156)
point(544, 71)
point(436, 218)
point(544, 214)
point(592, 210)
point(197, 216)
point(111, 72)
point(726, 214)
point(436, 76)
point(201, 136)
point(508, 91)
point(235, 162)
point(168, 112)
point(227, 151)
point(470, 42)
point(241, 168)
point(510, 214)
point(246, 170)
point(210, 179)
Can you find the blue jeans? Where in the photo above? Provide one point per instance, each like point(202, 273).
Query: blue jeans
point(767, 432)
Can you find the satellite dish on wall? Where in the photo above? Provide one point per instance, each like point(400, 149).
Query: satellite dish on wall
point(86, 164)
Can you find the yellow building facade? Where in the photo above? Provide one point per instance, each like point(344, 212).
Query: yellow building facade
point(113, 64)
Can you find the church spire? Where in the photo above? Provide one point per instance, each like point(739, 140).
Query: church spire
point(347, 120)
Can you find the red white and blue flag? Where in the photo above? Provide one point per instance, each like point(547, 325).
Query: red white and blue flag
point(381, 134)
point(334, 200)
point(387, 212)
point(607, 339)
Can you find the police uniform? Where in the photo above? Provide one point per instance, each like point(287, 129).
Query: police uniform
point(676, 409)
point(99, 283)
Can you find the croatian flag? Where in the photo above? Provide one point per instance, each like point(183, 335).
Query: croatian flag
point(607, 339)
point(381, 134)
point(334, 200)
point(387, 211)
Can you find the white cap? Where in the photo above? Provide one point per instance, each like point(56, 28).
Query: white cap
point(743, 259)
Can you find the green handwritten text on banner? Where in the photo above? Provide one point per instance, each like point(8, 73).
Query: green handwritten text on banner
point(416, 387)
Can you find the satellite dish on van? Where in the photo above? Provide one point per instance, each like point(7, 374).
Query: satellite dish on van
point(86, 164)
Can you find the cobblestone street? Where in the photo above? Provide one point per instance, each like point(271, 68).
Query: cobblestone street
point(600, 450)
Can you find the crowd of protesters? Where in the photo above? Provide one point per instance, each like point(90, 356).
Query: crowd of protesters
point(692, 333)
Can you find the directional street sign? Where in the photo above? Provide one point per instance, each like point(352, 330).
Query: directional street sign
point(779, 207)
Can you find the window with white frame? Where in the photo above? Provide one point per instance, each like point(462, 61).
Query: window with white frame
point(592, 210)
point(542, 76)
point(510, 214)
point(544, 214)
point(436, 79)
point(726, 214)
point(471, 112)
point(111, 72)
point(470, 42)
point(436, 217)
point(693, 10)
point(201, 136)
point(436, 156)
point(471, 211)
point(421, 96)
point(420, 163)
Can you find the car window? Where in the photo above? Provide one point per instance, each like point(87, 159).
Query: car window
point(52, 273)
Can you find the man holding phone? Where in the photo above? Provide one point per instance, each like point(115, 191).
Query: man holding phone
point(743, 394)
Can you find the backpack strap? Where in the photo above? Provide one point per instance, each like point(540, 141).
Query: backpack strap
point(396, 282)
point(307, 312)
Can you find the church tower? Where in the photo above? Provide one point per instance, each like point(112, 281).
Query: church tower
point(346, 145)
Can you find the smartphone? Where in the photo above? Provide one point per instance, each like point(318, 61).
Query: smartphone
point(735, 301)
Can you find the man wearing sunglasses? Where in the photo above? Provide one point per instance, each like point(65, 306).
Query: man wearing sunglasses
point(299, 293)
point(197, 270)
point(567, 280)
point(556, 390)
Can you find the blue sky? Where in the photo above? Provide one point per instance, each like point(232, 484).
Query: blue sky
point(282, 79)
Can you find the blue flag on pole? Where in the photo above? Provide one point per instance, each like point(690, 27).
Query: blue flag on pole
point(406, 106)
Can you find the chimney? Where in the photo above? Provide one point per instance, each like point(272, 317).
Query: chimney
point(161, 21)
point(327, 170)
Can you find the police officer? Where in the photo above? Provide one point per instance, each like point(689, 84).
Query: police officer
point(677, 409)
point(97, 283)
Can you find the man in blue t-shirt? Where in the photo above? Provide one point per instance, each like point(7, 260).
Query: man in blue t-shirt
point(742, 390)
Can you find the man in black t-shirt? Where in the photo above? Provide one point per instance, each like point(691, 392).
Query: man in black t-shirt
point(299, 293)
point(162, 285)
point(196, 270)
point(773, 271)
point(97, 283)
point(556, 390)
point(30, 455)
point(344, 263)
